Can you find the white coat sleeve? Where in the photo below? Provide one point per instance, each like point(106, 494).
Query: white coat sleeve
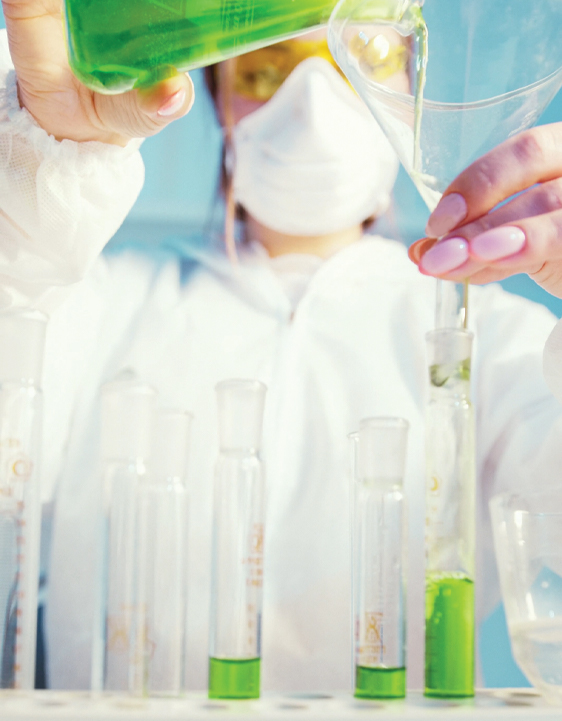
point(519, 422)
point(60, 202)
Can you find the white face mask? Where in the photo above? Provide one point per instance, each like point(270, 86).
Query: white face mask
point(312, 160)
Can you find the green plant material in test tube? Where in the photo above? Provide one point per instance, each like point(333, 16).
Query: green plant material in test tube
point(373, 682)
point(440, 373)
point(234, 678)
point(449, 635)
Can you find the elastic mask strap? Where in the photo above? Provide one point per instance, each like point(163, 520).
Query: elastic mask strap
point(226, 86)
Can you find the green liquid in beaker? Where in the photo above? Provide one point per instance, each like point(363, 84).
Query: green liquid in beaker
point(114, 44)
point(230, 678)
point(449, 635)
point(380, 682)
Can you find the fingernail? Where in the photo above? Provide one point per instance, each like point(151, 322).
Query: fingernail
point(497, 243)
point(447, 215)
point(173, 104)
point(445, 256)
point(417, 249)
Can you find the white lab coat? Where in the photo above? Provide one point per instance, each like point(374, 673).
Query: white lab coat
point(351, 347)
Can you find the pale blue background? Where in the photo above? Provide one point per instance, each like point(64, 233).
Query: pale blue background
point(180, 196)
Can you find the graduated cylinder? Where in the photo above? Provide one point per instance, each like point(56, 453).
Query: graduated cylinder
point(238, 536)
point(127, 412)
point(450, 519)
point(161, 621)
point(379, 546)
point(22, 337)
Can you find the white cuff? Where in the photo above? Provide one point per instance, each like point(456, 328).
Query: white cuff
point(60, 202)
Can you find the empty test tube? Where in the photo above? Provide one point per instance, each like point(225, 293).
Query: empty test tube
point(161, 622)
point(127, 416)
point(238, 536)
point(450, 519)
point(379, 547)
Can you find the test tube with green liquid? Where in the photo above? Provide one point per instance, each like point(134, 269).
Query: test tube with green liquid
point(450, 517)
point(379, 543)
point(238, 537)
point(114, 45)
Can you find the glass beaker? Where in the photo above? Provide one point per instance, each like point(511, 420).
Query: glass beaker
point(451, 84)
point(527, 530)
point(114, 44)
point(127, 416)
point(450, 517)
point(238, 537)
point(161, 622)
point(22, 338)
point(379, 562)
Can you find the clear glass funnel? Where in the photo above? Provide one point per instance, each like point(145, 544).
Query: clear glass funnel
point(492, 69)
point(448, 85)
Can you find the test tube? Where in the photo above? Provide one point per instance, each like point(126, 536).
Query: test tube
point(127, 413)
point(379, 547)
point(22, 338)
point(451, 304)
point(450, 519)
point(162, 580)
point(238, 535)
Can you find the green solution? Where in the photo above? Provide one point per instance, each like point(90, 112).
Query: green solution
point(115, 44)
point(449, 635)
point(373, 682)
point(234, 678)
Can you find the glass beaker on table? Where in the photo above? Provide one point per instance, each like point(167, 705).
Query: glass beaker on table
point(527, 530)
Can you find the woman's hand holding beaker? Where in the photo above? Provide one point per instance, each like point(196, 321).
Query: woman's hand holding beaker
point(524, 235)
point(61, 104)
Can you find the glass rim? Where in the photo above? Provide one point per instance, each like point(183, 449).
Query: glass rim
point(444, 332)
point(240, 384)
point(174, 412)
point(472, 105)
point(502, 500)
point(384, 422)
point(437, 104)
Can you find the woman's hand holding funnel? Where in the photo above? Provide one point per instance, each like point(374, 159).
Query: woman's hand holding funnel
point(483, 242)
point(61, 104)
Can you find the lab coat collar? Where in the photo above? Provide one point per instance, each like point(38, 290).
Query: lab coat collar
point(255, 281)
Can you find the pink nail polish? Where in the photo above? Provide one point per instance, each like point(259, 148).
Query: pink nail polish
point(173, 104)
point(449, 212)
point(497, 243)
point(445, 256)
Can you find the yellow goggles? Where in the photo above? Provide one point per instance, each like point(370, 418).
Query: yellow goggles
point(261, 73)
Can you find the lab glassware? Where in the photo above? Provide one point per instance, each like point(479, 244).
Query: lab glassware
point(379, 561)
point(449, 84)
point(127, 415)
point(162, 571)
point(115, 44)
point(450, 519)
point(238, 538)
point(22, 338)
point(527, 529)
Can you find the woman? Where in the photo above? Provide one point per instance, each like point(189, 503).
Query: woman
point(333, 323)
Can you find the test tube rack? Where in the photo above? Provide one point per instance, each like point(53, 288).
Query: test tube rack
point(497, 704)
